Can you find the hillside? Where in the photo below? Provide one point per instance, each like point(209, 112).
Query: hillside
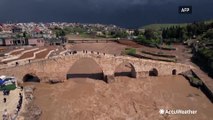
point(161, 26)
point(166, 25)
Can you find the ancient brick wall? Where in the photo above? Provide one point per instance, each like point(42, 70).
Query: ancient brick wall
point(58, 67)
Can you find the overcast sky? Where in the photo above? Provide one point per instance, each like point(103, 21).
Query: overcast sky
point(124, 13)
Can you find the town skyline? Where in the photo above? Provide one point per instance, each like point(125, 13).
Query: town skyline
point(128, 14)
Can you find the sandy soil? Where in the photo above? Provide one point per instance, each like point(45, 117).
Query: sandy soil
point(17, 52)
point(12, 102)
point(86, 98)
point(125, 99)
point(85, 68)
point(110, 48)
point(43, 54)
point(30, 54)
point(25, 55)
point(116, 48)
point(83, 98)
point(130, 43)
point(180, 52)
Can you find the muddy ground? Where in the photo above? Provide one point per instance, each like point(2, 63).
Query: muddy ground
point(88, 98)
point(132, 99)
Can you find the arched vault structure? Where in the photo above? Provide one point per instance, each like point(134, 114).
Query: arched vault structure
point(125, 69)
point(58, 67)
point(85, 68)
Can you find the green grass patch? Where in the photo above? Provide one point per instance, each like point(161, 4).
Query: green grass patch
point(166, 47)
point(130, 51)
point(85, 35)
point(162, 26)
point(160, 54)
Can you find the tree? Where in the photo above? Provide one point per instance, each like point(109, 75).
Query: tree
point(165, 34)
point(209, 34)
point(60, 33)
point(149, 34)
point(136, 32)
point(18, 36)
point(118, 34)
point(24, 34)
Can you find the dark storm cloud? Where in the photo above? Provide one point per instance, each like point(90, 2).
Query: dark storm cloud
point(127, 13)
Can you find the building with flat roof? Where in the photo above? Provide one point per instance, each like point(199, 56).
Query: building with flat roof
point(22, 42)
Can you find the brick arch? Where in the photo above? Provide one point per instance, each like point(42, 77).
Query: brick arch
point(88, 75)
point(59, 66)
point(31, 77)
point(133, 68)
point(154, 72)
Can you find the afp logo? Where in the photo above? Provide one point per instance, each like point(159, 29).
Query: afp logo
point(185, 9)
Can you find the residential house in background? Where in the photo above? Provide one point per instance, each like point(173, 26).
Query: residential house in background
point(11, 42)
point(8, 42)
point(36, 42)
point(16, 30)
point(22, 41)
point(6, 29)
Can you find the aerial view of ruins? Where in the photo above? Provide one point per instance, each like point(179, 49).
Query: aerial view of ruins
point(106, 60)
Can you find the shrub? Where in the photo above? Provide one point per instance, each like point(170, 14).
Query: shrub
point(166, 47)
point(148, 42)
point(159, 54)
point(130, 51)
point(195, 82)
point(204, 57)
